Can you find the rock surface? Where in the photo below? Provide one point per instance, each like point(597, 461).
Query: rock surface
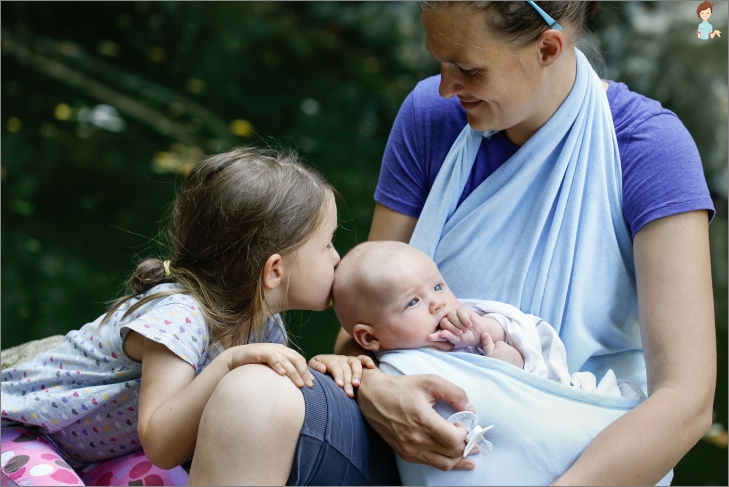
point(29, 350)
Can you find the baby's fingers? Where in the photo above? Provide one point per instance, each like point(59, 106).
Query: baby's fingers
point(447, 324)
point(450, 337)
point(437, 336)
point(488, 344)
point(464, 317)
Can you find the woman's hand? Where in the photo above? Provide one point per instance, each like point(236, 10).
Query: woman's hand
point(345, 370)
point(283, 360)
point(400, 409)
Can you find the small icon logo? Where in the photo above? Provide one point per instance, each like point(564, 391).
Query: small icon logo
point(705, 30)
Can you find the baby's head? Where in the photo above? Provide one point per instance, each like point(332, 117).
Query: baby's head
point(390, 295)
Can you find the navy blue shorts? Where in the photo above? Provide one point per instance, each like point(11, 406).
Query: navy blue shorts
point(336, 445)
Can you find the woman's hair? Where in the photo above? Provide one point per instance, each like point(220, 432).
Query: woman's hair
point(234, 211)
point(703, 7)
point(519, 22)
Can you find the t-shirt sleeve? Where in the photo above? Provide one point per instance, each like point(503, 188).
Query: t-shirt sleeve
point(178, 327)
point(663, 175)
point(402, 184)
point(275, 331)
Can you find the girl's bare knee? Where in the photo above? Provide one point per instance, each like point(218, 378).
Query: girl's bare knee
point(253, 417)
point(254, 397)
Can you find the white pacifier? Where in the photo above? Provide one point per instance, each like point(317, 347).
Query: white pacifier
point(475, 434)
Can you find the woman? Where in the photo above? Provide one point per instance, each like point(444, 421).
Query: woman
point(504, 67)
point(508, 67)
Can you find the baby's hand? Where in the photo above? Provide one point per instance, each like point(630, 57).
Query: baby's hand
point(345, 370)
point(461, 327)
point(501, 351)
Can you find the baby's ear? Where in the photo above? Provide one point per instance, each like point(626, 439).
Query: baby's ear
point(365, 336)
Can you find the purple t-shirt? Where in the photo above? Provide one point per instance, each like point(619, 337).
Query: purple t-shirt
point(662, 172)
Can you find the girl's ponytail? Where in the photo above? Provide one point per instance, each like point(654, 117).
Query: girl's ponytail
point(149, 273)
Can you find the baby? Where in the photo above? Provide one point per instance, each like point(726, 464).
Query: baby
point(390, 295)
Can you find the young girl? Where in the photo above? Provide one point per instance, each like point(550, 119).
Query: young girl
point(250, 237)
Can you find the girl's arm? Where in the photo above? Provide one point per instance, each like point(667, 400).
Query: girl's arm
point(172, 399)
point(676, 309)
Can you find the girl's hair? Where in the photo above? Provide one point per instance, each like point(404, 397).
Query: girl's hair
point(234, 211)
point(703, 7)
point(519, 22)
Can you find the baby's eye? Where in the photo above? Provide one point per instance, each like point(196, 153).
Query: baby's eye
point(413, 302)
point(438, 287)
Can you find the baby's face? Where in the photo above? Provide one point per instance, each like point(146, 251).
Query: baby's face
point(418, 299)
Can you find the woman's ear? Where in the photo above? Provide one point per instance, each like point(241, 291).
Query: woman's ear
point(551, 44)
point(273, 271)
point(365, 336)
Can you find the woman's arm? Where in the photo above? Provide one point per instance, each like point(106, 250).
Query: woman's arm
point(389, 224)
point(676, 311)
point(172, 399)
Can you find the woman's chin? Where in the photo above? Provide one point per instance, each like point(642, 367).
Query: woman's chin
point(481, 123)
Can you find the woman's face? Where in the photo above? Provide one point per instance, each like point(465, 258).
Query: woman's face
point(495, 83)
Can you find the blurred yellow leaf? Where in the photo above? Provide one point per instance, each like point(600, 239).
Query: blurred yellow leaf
point(14, 125)
point(62, 112)
point(108, 48)
point(195, 85)
point(180, 159)
point(157, 54)
point(241, 128)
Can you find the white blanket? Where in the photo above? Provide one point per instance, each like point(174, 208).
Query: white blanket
point(543, 351)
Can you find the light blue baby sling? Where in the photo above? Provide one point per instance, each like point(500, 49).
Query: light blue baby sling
point(545, 233)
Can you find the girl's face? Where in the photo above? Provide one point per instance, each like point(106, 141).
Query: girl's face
point(495, 83)
point(311, 272)
point(705, 14)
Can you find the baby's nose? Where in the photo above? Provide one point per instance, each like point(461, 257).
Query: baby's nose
point(436, 305)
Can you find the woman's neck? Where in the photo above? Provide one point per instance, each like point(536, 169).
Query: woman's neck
point(552, 93)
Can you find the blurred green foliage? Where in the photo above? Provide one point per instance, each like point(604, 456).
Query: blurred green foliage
point(86, 187)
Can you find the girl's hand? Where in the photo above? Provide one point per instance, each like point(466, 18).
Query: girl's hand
point(283, 360)
point(346, 371)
